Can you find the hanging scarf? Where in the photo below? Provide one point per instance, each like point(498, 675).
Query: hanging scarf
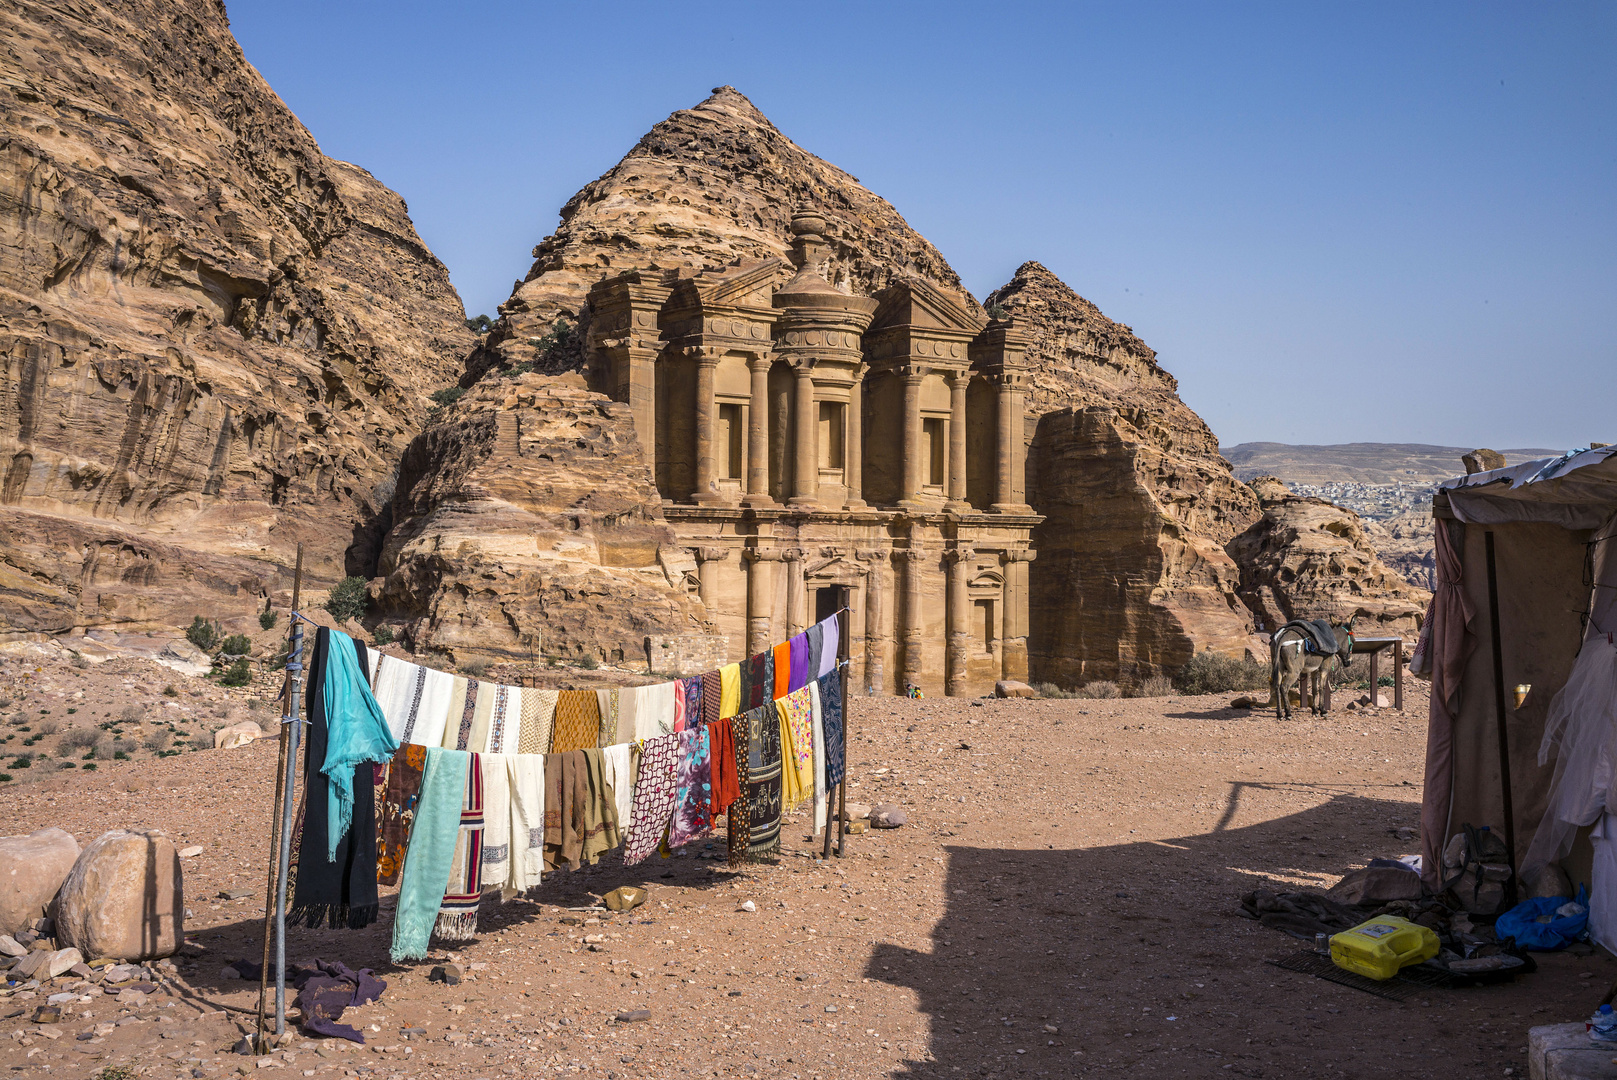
point(693, 794)
point(566, 791)
point(578, 721)
point(617, 707)
point(679, 705)
point(694, 702)
point(816, 645)
point(601, 832)
point(738, 829)
point(729, 690)
point(783, 671)
point(457, 914)
point(654, 792)
point(424, 721)
point(797, 748)
point(724, 789)
point(356, 735)
point(538, 719)
point(454, 711)
point(526, 777)
point(397, 685)
point(336, 882)
point(712, 695)
point(618, 760)
point(800, 674)
point(461, 729)
point(763, 782)
point(831, 716)
point(831, 632)
point(760, 680)
point(433, 840)
point(815, 711)
point(505, 721)
point(655, 715)
point(496, 869)
point(399, 797)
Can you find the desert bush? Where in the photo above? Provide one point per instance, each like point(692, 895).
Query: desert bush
point(474, 668)
point(589, 663)
point(169, 691)
point(383, 635)
point(81, 738)
point(1101, 688)
point(1210, 673)
point(203, 634)
point(131, 714)
point(266, 620)
point(1051, 690)
point(448, 395)
point(1154, 686)
point(202, 742)
point(5, 703)
point(48, 727)
point(237, 645)
point(348, 599)
point(124, 746)
point(157, 741)
point(238, 674)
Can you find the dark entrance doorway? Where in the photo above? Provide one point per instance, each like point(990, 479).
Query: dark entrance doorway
point(828, 600)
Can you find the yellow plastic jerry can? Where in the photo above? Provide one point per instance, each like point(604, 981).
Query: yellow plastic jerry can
point(1381, 946)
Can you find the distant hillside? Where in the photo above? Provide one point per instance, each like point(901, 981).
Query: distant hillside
point(1361, 463)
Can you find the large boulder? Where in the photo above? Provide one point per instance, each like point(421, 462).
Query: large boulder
point(124, 899)
point(31, 870)
point(233, 735)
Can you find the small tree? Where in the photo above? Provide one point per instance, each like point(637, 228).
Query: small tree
point(237, 645)
point(203, 634)
point(383, 635)
point(348, 600)
point(479, 325)
point(266, 619)
point(238, 674)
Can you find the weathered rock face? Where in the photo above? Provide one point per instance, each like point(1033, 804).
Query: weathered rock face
point(527, 526)
point(31, 870)
point(214, 340)
point(124, 898)
point(1131, 578)
point(1405, 543)
point(705, 187)
point(1306, 558)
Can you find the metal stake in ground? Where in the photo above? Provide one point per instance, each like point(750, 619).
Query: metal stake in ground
point(294, 664)
point(275, 819)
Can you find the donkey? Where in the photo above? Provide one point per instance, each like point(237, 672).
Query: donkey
point(1295, 653)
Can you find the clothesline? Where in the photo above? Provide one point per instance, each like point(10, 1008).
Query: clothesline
point(449, 785)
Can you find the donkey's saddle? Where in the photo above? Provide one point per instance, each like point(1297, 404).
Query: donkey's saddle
point(1318, 636)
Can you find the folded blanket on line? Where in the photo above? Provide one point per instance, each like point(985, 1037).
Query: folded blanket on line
point(496, 870)
point(831, 715)
point(760, 680)
point(724, 789)
point(427, 863)
point(763, 781)
point(614, 705)
point(457, 914)
point(798, 646)
point(526, 777)
point(578, 721)
point(832, 629)
point(581, 818)
point(816, 642)
point(505, 721)
point(538, 720)
point(815, 713)
point(797, 748)
point(783, 671)
point(729, 690)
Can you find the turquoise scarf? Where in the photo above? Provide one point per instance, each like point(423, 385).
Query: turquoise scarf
point(431, 854)
point(356, 732)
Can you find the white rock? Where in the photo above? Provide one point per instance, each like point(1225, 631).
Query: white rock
point(234, 735)
point(124, 899)
point(191, 852)
point(60, 961)
point(9, 946)
point(748, 905)
point(31, 870)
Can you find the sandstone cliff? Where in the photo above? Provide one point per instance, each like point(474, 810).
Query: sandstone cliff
point(1306, 558)
point(216, 341)
point(1132, 578)
point(528, 527)
point(709, 185)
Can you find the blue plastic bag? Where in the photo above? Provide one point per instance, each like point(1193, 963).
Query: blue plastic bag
point(1521, 922)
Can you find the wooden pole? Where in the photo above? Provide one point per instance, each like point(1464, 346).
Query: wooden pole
point(262, 1039)
point(1398, 674)
point(1500, 714)
point(843, 629)
point(1375, 678)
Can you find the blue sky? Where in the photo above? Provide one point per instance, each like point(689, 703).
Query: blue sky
point(1334, 222)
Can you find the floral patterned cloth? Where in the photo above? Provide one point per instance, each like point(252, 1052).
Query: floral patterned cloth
point(693, 792)
point(797, 746)
point(397, 811)
point(654, 791)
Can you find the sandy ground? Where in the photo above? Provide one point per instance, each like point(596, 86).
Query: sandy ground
point(1063, 902)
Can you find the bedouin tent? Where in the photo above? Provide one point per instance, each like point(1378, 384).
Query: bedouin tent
point(1526, 593)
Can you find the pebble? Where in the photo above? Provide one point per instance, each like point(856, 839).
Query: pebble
point(830, 1008)
point(887, 816)
point(190, 853)
point(748, 905)
point(448, 974)
point(634, 1016)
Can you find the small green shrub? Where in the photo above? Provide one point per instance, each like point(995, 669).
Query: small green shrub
point(1100, 688)
point(120, 755)
point(90, 767)
point(266, 619)
point(1210, 673)
point(589, 663)
point(383, 635)
point(169, 691)
point(67, 765)
point(1384, 680)
point(238, 674)
point(23, 761)
point(448, 395)
point(237, 645)
point(348, 600)
point(203, 634)
point(70, 712)
point(5, 778)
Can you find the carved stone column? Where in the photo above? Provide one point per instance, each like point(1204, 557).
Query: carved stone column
point(1013, 634)
point(760, 598)
point(911, 627)
point(911, 378)
point(876, 635)
point(707, 572)
point(796, 598)
point(758, 433)
point(707, 360)
point(957, 440)
point(958, 563)
point(853, 454)
point(1010, 472)
point(806, 423)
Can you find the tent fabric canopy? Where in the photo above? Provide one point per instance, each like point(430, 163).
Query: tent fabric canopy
point(1575, 491)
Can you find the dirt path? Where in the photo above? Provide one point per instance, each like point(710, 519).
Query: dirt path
point(1062, 903)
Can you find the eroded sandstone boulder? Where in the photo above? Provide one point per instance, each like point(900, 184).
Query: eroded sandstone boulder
point(124, 898)
point(1306, 558)
point(1131, 579)
point(31, 870)
point(527, 526)
point(215, 341)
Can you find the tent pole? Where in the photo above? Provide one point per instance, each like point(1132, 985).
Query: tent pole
point(270, 890)
point(1499, 712)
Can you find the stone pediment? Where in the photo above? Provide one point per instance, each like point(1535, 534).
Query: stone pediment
point(921, 306)
point(748, 284)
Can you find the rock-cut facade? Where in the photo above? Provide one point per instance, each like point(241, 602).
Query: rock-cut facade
point(816, 449)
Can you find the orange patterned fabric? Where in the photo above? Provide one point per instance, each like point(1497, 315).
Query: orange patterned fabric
point(578, 721)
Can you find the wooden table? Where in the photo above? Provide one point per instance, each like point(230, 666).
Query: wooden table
point(1375, 646)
